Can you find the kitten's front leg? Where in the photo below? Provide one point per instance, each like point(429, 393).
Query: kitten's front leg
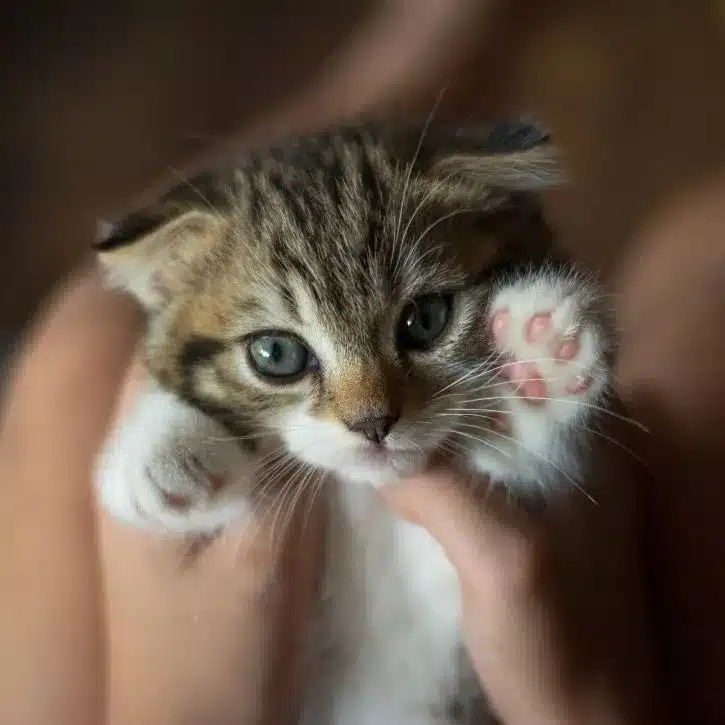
point(169, 469)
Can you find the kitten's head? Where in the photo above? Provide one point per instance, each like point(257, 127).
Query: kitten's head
point(328, 290)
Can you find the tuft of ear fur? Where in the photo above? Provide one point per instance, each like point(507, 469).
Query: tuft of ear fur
point(530, 170)
point(508, 157)
point(147, 254)
point(481, 166)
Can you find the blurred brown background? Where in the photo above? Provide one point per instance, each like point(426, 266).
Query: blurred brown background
point(634, 89)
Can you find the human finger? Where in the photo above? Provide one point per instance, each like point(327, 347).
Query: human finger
point(57, 405)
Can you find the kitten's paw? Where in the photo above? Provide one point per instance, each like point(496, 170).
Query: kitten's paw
point(551, 345)
point(170, 490)
point(169, 470)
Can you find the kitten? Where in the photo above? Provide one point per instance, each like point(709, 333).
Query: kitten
point(355, 302)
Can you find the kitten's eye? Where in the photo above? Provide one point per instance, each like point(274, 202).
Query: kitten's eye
point(280, 356)
point(423, 321)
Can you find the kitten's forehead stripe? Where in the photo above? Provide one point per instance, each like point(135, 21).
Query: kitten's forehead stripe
point(329, 221)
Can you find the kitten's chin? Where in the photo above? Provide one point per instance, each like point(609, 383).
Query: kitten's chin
point(381, 469)
point(371, 467)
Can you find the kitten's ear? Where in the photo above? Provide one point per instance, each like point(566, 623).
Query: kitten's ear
point(509, 156)
point(148, 253)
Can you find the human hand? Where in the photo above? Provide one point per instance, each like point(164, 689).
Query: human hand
point(553, 604)
point(118, 625)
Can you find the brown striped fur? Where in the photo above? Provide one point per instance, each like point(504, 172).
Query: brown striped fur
point(329, 236)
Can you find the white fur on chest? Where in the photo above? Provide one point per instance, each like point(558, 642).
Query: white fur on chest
point(391, 619)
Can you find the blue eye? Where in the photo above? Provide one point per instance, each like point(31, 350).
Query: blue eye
point(424, 321)
point(279, 356)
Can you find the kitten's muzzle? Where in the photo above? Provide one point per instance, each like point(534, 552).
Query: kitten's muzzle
point(374, 427)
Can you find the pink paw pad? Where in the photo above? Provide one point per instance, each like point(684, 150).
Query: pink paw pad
point(528, 381)
point(176, 501)
point(537, 327)
point(544, 352)
point(579, 384)
point(569, 348)
point(499, 323)
point(211, 481)
point(499, 422)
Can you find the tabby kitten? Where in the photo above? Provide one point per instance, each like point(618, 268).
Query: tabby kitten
point(348, 305)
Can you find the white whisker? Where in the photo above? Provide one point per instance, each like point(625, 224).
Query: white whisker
point(184, 180)
point(318, 485)
point(549, 462)
point(482, 441)
point(475, 371)
point(615, 442)
point(411, 166)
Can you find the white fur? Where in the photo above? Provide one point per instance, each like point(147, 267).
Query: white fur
point(541, 451)
point(150, 449)
point(386, 644)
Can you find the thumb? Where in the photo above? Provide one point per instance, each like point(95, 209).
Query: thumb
point(504, 571)
point(482, 533)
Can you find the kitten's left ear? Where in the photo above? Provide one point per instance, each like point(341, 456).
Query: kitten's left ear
point(149, 254)
point(509, 156)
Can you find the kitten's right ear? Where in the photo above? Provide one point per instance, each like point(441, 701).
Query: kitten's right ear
point(508, 156)
point(148, 253)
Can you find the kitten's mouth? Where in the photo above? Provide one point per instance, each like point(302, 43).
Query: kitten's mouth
point(375, 454)
point(378, 458)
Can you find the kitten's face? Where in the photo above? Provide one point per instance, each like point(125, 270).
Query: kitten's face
point(331, 295)
point(346, 348)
